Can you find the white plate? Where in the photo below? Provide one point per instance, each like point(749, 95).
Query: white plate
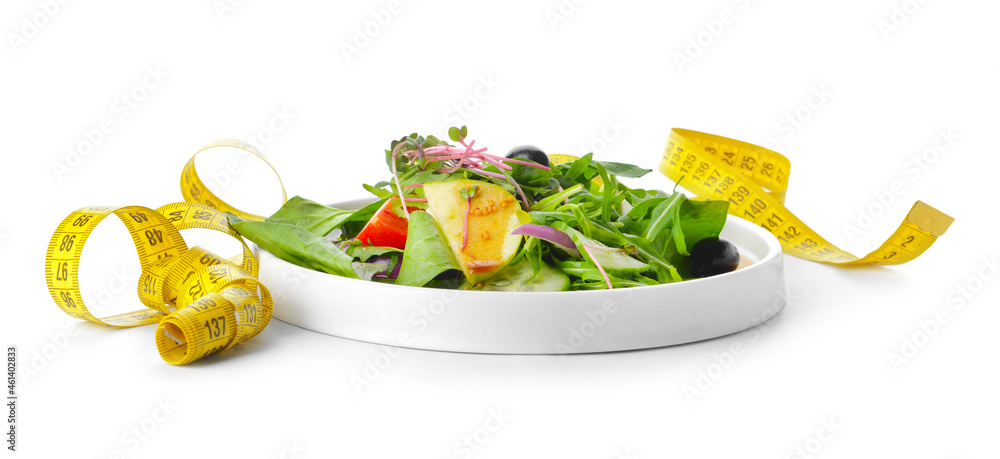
point(534, 323)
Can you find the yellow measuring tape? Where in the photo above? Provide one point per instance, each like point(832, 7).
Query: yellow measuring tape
point(754, 180)
point(202, 302)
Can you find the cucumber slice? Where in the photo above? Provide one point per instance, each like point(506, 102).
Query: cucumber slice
point(514, 278)
point(614, 262)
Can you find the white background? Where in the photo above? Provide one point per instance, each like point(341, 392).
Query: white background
point(819, 378)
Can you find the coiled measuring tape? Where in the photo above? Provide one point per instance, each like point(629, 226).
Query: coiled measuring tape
point(754, 180)
point(202, 303)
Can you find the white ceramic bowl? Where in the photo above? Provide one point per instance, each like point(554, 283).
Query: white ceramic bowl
point(534, 323)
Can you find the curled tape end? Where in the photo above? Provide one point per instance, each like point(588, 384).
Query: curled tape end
point(929, 219)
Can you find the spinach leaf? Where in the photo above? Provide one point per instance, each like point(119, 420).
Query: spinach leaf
point(624, 170)
point(310, 216)
point(296, 245)
point(694, 221)
point(354, 223)
point(427, 253)
point(528, 176)
point(701, 219)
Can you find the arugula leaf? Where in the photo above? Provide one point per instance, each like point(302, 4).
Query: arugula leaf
point(364, 252)
point(575, 168)
point(367, 271)
point(553, 201)
point(609, 198)
point(427, 253)
point(641, 208)
point(612, 259)
point(640, 237)
point(663, 215)
point(591, 278)
point(310, 215)
point(417, 176)
point(662, 267)
point(296, 245)
point(379, 192)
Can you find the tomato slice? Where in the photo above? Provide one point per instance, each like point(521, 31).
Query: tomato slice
point(386, 228)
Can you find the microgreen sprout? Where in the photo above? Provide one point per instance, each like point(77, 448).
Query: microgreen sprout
point(468, 193)
point(444, 158)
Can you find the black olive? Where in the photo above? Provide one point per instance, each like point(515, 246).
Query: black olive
point(711, 256)
point(529, 152)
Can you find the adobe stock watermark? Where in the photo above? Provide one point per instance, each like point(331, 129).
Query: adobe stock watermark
point(474, 441)
point(611, 131)
point(121, 107)
point(699, 42)
point(925, 330)
point(461, 111)
point(912, 169)
point(419, 322)
point(32, 24)
point(794, 120)
point(707, 377)
point(561, 11)
point(291, 449)
point(366, 33)
point(279, 121)
point(224, 7)
point(120, 281)
point(140, 432)
point(291, 280)
point(828, 429)
point(594, 320)
point(39, 359)
point(899, 15)
point(219, 180)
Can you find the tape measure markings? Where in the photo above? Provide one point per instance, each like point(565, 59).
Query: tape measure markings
point(203, 303)
point(715, 167)
point(194, 190)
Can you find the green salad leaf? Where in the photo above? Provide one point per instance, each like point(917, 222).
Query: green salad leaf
point(625, 237)
point(296, 245)
point(624, 170)
point(427, 253)
point(364, 252)
point(310, 216)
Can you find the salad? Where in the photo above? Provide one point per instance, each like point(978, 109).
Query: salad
point(453, 216)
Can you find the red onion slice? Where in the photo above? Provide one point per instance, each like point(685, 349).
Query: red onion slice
point(549, 234)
